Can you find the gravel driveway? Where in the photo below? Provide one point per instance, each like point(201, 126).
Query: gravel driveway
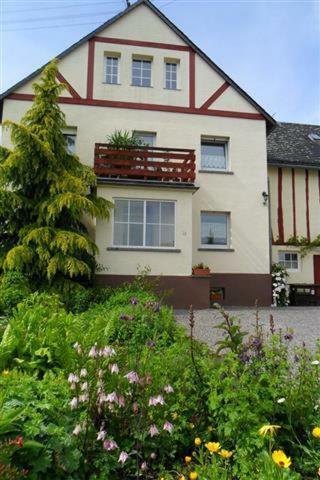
point(304, 321)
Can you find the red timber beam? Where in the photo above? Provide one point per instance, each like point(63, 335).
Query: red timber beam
point(90, 70)
point(139, 43)
point(71, 90)
point(215, 96)
point(144, 106)
point(280, 211)
point(307, 205)
point(192, 79)
point(294, 214)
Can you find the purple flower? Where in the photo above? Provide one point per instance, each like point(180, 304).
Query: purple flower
point(107, 352)
point(168, 389)
point(110, 445)
point(132, 377)
point(114, 368)
point(153, 430)
point(112, 397)
point(123, 457)
point(288, 336)
point(93, 353)
point(134, 301)
point(168, 426)
point(150, 344)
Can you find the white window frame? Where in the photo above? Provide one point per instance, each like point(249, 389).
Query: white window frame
point(215, 141)
point(144, 246)
point(216, 246)
point(114, 56)
point(283, 262)
point(70, 132)
point(137, 133)
point(141, 59)
point(168, 61)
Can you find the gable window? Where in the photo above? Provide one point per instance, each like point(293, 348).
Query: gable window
point(112, 69)
point(70, 135)
point(171, 79)
point(144, 223)
point(215, 229)
point(141, 72)
point(289, 260)
point(214, 155)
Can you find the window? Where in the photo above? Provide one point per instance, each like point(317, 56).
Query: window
point(70, 135)
point(145, 138)
point(214, 155)
point(289, 260)
point(214, 229)
point(144, 223)
point(171, 76)
point(141, 73)
point(112, 69)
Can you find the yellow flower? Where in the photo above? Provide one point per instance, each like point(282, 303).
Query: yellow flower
point(5, 372)
point(197, 441)
point(193, 475)
point(182, 477)
point(213, 447)
point(225, 453)
point(281, 459)
point(191, 425)
point(316, 432)
point(268, 430)
point(187, 459)
point(210, 429)
point(319, 472)
point(174, 415)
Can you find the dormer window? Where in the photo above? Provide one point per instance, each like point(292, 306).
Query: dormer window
point(112, 69)
point(141, 72)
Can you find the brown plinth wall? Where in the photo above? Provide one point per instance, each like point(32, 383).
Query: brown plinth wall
point(241, 289)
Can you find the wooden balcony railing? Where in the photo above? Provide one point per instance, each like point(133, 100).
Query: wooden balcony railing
point(145, 163)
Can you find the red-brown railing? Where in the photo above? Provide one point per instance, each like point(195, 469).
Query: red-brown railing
point(145, 163)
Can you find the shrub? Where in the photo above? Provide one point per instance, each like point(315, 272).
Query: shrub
point(14, 287)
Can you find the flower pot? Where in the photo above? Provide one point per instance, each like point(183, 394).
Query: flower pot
point(200, 271)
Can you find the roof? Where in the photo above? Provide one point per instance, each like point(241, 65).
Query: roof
point(271, 122)
point(293, 145)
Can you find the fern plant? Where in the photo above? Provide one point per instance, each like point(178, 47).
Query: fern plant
point(44, 194)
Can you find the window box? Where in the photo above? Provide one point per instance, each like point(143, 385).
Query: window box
point(200, 270)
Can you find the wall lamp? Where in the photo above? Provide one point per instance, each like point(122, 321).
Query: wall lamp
point(265, 197)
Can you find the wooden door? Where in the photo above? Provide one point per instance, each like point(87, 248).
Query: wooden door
point(316, 266)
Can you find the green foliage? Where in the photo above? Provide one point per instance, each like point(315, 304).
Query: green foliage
point(304, 243)
point(14, 287)
point(44, 194)
point(123, 139)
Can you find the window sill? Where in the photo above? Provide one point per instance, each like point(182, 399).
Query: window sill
point(172, 89)
point(213, 249)
point(141, 86)
point(144, 249)
point(225, 172)
point(107, 83)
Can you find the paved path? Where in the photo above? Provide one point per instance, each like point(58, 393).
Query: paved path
point(304, 321)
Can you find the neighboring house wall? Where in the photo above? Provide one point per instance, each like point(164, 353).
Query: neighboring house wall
point(204, 105)
point(295, 212)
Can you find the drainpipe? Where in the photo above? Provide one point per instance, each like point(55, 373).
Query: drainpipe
point(270, 229)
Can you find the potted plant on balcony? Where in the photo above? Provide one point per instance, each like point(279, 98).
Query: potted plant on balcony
point(200, 269)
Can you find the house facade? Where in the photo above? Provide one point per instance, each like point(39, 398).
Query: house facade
point(294, 172)
point(197, 191)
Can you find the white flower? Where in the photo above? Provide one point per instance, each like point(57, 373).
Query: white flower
point(114, 368)
point(101, 435)
point(83, 372)
point(123, 457)
point(93, 352)
point(77, 430)
point(73, 378)
point(74, 402)
point(281, 400)
point(168, 389)
point(84, 386)
point(315, 362)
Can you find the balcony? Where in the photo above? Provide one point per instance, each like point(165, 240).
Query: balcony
point(145, 163)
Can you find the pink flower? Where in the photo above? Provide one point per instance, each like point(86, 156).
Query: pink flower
point(121, 401)
point(144, 466)
point(153, 430)
point(135, 407)
point(73, 378)
point(114, 368)
point(101, 435)
point(102, 397)
point(83, 372)
point(110, 445)
point(123, 457)
point(156, 400)
point(168, 389)
point(132, 377)
point(168, 426)
point(93, 353)
point(77, 430)
point(74, 403)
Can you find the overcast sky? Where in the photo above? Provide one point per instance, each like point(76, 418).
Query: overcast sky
point(270, 48)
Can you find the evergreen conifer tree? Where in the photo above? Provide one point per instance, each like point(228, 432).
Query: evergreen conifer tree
point(46, 193)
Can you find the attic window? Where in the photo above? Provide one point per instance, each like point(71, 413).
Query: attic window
point(314, 137)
